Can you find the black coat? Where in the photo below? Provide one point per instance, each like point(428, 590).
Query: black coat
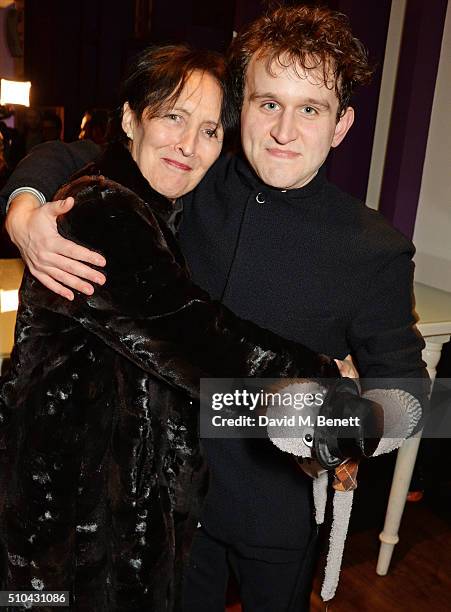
point(316, 266)
point(102, 471)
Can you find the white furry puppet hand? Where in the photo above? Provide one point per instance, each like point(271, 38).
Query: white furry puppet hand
point(292, 423)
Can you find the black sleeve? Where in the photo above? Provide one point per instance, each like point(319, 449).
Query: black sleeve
point(383, 335)
point(48, 166)
point(150, 311)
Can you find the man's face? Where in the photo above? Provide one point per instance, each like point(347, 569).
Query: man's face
point(289, 123)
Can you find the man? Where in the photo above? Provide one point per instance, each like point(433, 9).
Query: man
point(268, 235)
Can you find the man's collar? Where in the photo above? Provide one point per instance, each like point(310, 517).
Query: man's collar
point(249, 176)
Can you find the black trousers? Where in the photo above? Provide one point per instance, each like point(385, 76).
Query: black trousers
point(265, 585)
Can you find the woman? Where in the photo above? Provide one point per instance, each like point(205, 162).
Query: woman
point(102, 469)
point(106, 474)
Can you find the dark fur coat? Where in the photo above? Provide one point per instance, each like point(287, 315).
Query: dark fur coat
point(102, 473)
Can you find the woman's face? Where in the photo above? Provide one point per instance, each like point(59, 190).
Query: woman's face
point(175, 150)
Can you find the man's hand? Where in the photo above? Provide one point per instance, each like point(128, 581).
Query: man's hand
point(347, 367)
point(52, 259)
point(351, 425)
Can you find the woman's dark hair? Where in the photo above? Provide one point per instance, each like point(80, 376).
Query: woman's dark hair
point(157, 76)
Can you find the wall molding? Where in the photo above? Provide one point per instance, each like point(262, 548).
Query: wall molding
point(385, 106)
point(433, 271)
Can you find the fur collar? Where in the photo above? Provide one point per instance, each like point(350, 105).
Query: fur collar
point(117, 164)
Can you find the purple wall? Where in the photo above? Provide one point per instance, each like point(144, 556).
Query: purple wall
point(414, 94)
point(349, 164)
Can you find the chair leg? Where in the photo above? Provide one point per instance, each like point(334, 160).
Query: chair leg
point(405, 463)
